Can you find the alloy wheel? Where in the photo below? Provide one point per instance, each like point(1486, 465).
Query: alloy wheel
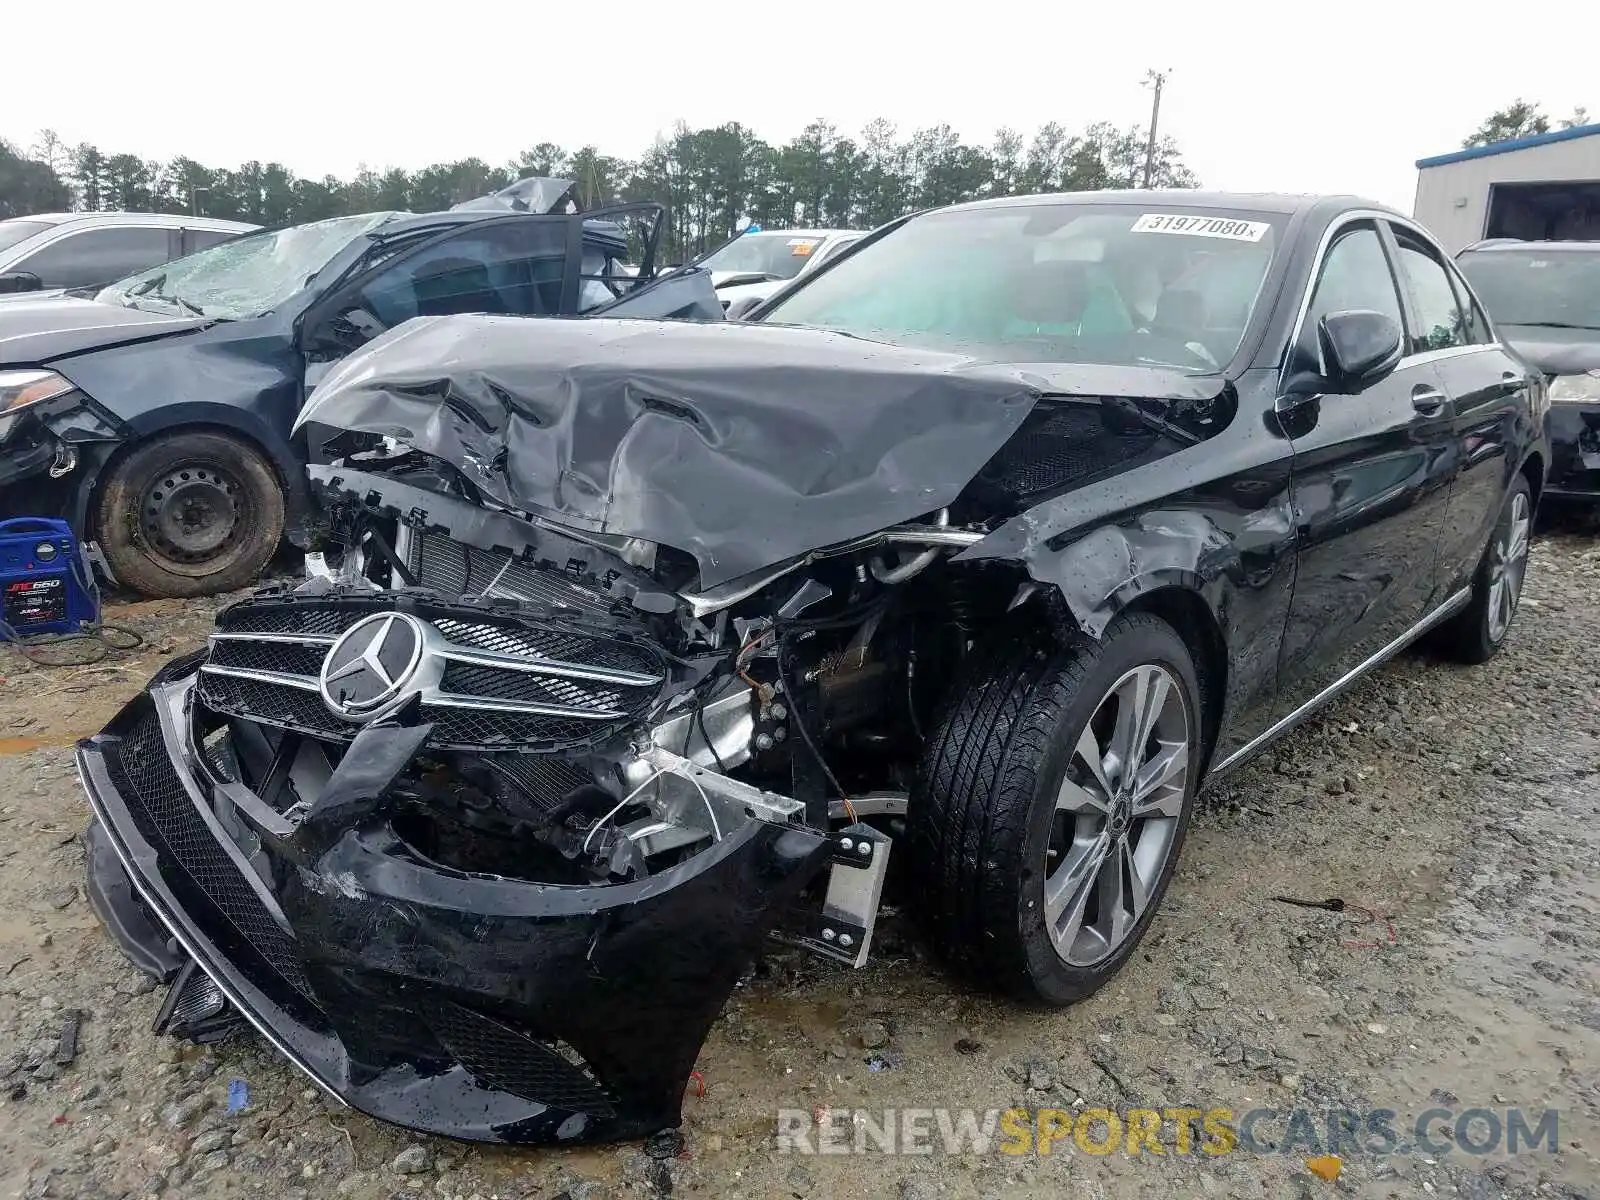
point(1117, 814)
point(1508, 565)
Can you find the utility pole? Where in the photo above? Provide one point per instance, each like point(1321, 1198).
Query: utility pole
point(1155, 80)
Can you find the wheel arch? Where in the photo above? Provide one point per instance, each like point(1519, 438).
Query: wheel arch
point(286, 468)
point(1533, 470)
point(1186, 610)
point(1178, 564)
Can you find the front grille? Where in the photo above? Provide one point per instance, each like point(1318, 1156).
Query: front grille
point(506, 680)
point(453, 568)
point(536, 641)
point(193, 860)
point(272, 704)
point(541, 779)
point(500, 1057)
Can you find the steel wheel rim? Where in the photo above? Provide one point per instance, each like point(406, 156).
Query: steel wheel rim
point(1508, 565)
point(1117, 814)
point(192, 514)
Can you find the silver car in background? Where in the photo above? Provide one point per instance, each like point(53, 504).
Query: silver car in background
point(51, 252)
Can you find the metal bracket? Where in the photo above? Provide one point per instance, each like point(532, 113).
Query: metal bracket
point(842, 931)
point(852, 850)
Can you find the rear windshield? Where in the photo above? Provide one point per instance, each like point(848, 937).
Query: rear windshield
point(14, 231)
point(1080, 282)
point(1557, 288)
point(776, 255)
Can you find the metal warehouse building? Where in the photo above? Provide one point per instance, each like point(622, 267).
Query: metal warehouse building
point(1541, 187)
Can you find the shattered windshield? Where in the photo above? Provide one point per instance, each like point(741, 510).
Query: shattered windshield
point(245, 277)
point(1068, 283)
point(1537, 286)
point(780, 255)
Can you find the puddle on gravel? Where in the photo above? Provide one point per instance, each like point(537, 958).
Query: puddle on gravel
point(27, 745)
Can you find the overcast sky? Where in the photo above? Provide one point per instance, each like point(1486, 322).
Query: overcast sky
point(1284, 96)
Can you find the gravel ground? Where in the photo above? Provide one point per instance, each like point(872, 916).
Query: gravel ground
point(1459, 804)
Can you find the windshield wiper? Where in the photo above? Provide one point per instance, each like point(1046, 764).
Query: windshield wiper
point(1553, 325)
point(131, 300)
point(188, 306)
point(150, 288)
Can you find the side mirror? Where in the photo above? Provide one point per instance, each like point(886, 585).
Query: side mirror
point(19, 281)
point(1359, 348)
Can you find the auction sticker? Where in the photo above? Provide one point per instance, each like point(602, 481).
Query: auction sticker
point(1215, 227)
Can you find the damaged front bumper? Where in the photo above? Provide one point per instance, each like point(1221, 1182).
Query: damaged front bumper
point(1574, 433)
point(472, 1006)
point(45, 440)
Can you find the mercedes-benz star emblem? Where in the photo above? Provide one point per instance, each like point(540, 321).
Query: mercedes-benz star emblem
point(371, 665)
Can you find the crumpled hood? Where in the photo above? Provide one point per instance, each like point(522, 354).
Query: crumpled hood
point(35, 329)
point(1555, 351)
point(742, 445)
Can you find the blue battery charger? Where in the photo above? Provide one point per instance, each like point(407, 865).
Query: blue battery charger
point(42, 588)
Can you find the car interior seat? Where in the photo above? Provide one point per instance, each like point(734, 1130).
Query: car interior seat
point(1181, 317)
point(1048, 301)
point(1181, 314)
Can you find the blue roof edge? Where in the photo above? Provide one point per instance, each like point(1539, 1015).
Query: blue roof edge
point(1506, 147)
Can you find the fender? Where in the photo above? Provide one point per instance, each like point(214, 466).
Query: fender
point(299, 512)
point(237, 377)
point(1227, 541)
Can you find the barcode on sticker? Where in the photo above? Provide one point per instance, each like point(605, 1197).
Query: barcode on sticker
point(1215, 227)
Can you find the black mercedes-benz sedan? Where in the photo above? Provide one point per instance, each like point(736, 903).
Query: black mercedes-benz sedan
point(986, 546)
point(1545, 299)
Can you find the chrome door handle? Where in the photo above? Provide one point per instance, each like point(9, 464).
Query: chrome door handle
point(1428, 401)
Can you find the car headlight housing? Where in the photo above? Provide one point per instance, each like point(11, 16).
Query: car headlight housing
point(19, 389)
point(1576, 389)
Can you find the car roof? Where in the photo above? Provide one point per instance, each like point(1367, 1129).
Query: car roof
point(42, 218)
point(1491, 245)
point(405, 223)
point(1287, 204)
point(175, 220)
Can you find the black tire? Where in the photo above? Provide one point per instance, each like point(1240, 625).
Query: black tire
point(984, 813)
point(1474, 635)
point(189, 514)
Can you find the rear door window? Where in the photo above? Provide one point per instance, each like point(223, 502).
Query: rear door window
point(95, 257)
point(1440, 323)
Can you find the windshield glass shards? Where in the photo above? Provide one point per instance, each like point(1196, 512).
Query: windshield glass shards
point(1067, 283)
point(245, 277)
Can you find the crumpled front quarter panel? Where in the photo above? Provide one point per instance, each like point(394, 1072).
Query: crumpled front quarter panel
point(1215, 519)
